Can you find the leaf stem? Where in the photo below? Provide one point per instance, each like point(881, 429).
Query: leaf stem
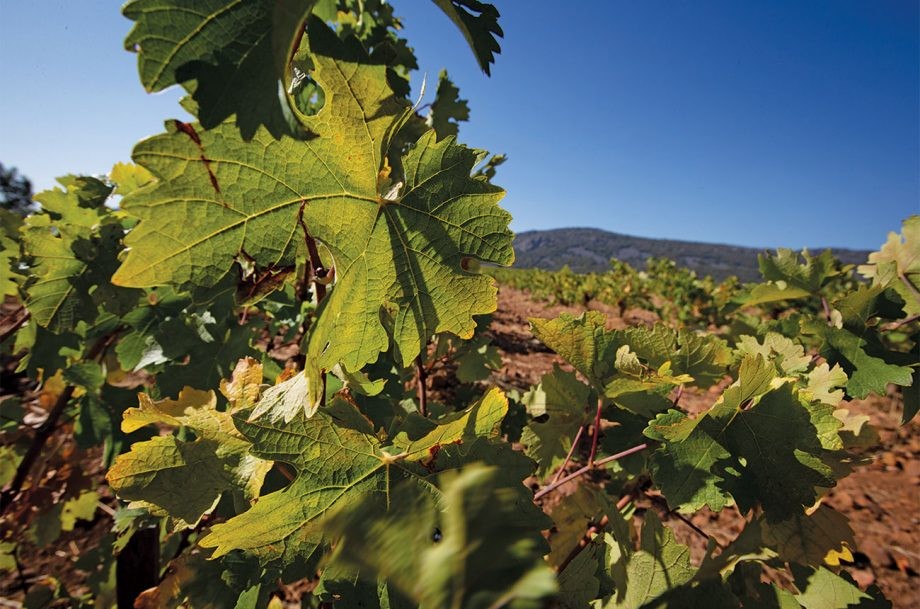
point(568, 457)
point(599, 463)
point(901, 322)
point(597, 431)
point(680, 394)
point(696, 529)
point(422, 390)
point(827, 309)
point(24, 316)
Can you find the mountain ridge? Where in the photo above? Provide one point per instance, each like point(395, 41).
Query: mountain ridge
point(587, 250)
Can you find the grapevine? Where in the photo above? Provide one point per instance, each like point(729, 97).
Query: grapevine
point(242, 328)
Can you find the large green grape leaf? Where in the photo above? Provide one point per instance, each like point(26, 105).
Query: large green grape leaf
point(236, 51)
point(897, 264)
point(476, 544)
point(757, 444)
point(154, 472)
point(338, 462)
point(399, 249)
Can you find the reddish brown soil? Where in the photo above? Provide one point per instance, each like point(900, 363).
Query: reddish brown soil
point(881, 498)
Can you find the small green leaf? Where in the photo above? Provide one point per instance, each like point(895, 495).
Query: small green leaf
point(478, 22)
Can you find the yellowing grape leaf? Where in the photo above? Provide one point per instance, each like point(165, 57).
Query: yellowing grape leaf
point(399, 249)
point(338, 463)
point(897, 264)
point(181, 479)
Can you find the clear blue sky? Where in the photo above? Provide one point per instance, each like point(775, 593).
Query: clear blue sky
point(785, 123)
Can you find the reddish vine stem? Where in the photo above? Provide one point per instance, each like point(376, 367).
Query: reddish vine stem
point(313, 270)
point(47, 428)
point(597, 431)
point(284, 471)
point(422, 390)
point(580, 472)
point(901, 322)
point(314, 266)
point(680, 394)
point(24, 316)
point(568, 457)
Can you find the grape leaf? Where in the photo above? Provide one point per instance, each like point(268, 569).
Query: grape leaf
point(237, 52)
point(583, 342)
point(478, 22)
point(660, 564)
point(788, 357)
point(820, 588)
point(822, 537)
point(867, 371)
point(191, 580)
point(724, 451)
point(447, 109)
point(474, 544)
point(337, 464)
point(564, 399)
point(179, 478)
point(808, 275)
point(897, 264)
point(10, 275)
point(592, 350)
point(398, 251)
point(74, 248)
point(585, 506)
point(578, 582)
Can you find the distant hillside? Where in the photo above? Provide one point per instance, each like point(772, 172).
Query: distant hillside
point(589, 249)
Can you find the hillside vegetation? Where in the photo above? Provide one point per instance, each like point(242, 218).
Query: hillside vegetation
point(587, 250)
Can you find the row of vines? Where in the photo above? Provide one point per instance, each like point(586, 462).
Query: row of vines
point(218, 362)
